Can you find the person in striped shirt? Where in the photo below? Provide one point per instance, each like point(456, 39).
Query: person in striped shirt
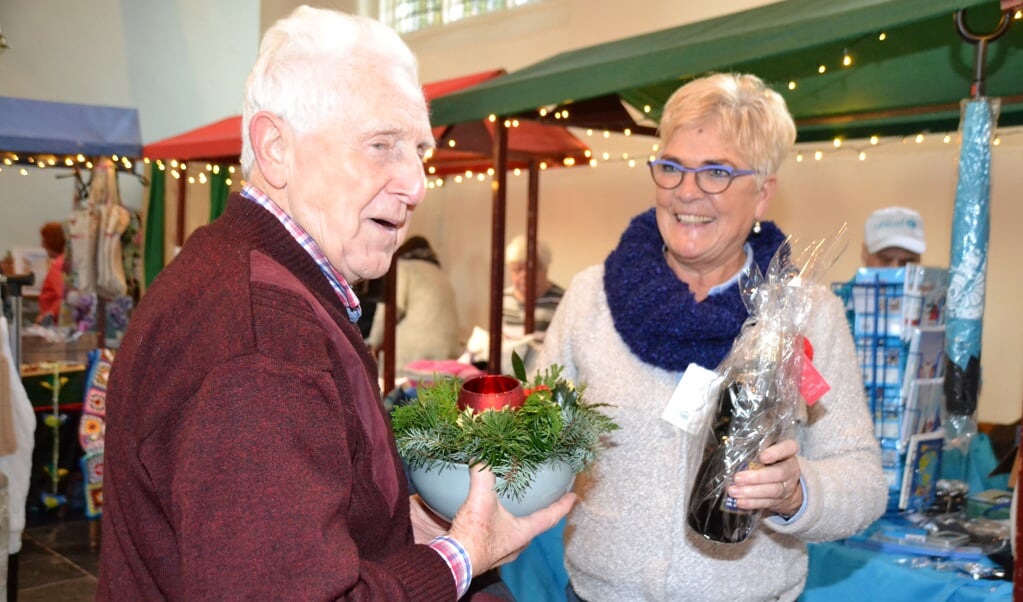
point(548, 295)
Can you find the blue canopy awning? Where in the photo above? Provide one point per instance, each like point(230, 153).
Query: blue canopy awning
point(39, 126)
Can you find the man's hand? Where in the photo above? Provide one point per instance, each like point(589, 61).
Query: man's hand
point(774, 487)
point(426, 526)
point(490, 534)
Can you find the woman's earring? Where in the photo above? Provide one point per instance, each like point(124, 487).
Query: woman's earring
point(756, 227)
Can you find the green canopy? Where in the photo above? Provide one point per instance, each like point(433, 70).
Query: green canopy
point(911, 81)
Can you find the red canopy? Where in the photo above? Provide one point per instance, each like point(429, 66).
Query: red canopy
point(528, 142)
point(219, 140)
point(222, 140)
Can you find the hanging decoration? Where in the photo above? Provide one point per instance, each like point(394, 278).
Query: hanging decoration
point(968, 257)
point(92, 429)
point(104, 257)
point(54, 420)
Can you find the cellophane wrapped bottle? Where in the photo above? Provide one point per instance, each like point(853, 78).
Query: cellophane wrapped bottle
point(759, 386)
point(750, 416)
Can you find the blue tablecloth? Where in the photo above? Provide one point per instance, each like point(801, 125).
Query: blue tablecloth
point(837, 573)
point(538, 574)
point(840, 572)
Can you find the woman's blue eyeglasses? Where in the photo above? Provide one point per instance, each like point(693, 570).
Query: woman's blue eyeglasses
point(711, 179)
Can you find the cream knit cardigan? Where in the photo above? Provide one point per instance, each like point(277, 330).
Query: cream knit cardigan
point(627, 537)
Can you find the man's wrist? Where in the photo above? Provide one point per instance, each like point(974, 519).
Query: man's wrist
point(457, 560)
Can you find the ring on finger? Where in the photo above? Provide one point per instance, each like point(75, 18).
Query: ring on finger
point(784, 490)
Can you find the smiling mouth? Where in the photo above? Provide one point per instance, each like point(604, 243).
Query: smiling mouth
point(685, 218)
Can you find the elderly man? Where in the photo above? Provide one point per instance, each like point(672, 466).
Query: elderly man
point(247, 454)
point(548, 294)
point(513, 306)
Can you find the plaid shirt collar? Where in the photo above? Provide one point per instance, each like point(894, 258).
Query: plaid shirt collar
point(337, 281)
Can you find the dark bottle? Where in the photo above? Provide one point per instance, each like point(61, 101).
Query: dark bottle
point(741, 428)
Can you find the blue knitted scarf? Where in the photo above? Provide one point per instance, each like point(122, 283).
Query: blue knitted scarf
point(655, 313)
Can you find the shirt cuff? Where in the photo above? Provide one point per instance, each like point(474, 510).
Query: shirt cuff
point(457, 559)
point(787, 520)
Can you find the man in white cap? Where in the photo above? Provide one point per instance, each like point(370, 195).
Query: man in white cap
point(893, 237)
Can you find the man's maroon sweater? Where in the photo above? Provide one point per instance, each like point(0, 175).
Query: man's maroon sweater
point(247, 455)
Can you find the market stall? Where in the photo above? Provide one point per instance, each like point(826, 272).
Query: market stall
point(854, 70)
point(91, 145)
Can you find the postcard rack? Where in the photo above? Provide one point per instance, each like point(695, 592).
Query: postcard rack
point(896, 319)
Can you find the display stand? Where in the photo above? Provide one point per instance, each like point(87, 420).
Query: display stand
point(896, 316)
point(12, 291)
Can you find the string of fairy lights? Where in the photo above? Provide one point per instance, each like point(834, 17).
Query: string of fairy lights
point(200, 172)
point(638, 157)
point(23, 164)
point(179, 169)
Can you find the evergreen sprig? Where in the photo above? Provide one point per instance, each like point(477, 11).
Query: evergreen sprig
point(554, 424)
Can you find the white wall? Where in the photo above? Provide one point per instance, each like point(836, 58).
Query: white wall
point(535, 32)
point(182, 64)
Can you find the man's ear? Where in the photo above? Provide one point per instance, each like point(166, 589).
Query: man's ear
point(269, 144)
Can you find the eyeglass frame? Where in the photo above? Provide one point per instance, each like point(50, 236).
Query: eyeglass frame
point(696, 171)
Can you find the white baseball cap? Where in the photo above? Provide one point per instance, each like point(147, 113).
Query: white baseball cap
point(895, 227)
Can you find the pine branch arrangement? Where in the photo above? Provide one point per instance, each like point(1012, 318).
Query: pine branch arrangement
point(554, 424)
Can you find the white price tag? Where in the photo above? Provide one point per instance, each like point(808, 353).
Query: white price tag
point(690, 403)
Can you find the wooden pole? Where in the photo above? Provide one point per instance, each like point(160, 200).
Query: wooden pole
point(500, 203)
point(532, 219)
point(390, 324)
point(179, 232)
point(1017, 531)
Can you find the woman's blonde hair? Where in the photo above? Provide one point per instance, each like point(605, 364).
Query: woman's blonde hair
point(747, 112)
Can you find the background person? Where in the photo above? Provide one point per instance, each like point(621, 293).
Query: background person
point(548, 294)
point(893, 237)
point(51, 293)
point(513, 311)
point(427, 317)
point(666, 297)
point(247, 454)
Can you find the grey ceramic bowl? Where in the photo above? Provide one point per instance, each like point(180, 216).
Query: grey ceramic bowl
point(444, 486)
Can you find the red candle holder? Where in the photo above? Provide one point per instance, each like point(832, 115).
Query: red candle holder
point(491, 392)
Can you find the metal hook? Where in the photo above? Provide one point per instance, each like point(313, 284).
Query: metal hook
point(981, 40)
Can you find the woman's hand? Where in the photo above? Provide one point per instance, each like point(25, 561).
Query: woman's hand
point(775, 486)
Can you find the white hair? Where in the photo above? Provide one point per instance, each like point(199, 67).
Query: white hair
point(516, 250)
point(306, 57)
